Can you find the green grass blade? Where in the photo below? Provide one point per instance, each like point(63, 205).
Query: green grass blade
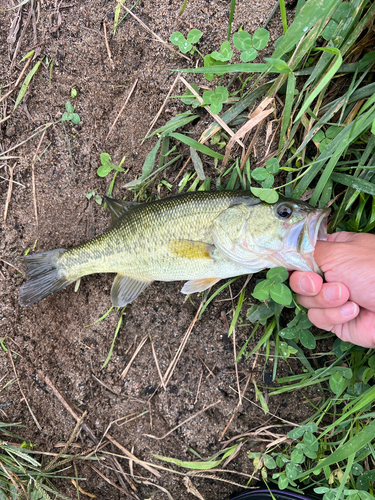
point(196, 145)
point(237, 312)
point(355, 183)
point(291, 86)
point(324, 81)
point(344, 451)
point(26, 84)
point(231, 15)
point(312, 12)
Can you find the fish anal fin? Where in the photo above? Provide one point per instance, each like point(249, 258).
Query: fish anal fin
point(199, 285)
point(191, 249)
point(117, 208)
point(124, 289)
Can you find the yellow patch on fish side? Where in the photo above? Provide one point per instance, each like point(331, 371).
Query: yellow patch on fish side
point(191, 249)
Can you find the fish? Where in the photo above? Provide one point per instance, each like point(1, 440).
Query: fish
point(199, 237)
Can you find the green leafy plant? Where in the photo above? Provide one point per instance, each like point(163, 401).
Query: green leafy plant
point(215, 98)
point(249, 45)
point(186, 44)
point(273, 287)
point(70, 115)
point(107, 166)
point(266, 176)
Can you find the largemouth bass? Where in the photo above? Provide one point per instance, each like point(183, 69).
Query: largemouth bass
point(200, 237)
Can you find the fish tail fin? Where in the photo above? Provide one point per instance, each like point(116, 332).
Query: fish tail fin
point(46, 275)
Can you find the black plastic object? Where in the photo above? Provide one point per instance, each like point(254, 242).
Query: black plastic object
point(264, 494)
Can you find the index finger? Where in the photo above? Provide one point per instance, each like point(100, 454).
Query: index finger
point(306, 283)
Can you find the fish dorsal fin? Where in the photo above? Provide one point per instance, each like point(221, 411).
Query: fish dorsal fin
point(191, 249)
point(200, 285)
point(118, 208)
point(125, 290)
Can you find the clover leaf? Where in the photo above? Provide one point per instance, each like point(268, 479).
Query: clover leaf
point(185, 45)
point(215, 98)
point(265, 176)
point(225, 53)
point(248, 45)
point(210, 61)
point(189, 98)
point(273, 287)
point(70, 116)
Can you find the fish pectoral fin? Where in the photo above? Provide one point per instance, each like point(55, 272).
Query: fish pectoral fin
point(191, 249)
point(117, 208)
point(124, 289)
point(200, 285)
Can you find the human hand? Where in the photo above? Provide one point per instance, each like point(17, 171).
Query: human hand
point(345, 304)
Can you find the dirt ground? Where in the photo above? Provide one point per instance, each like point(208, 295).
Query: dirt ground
point(51, 338)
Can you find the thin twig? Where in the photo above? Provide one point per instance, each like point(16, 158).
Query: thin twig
point(237, 407)
point(172, 366)
point(107, 45)
point(9, 195)
point(157, 363)
point(122, 109)
point(155, 119)
point(183, 423)
point(11, 265)
point(23, 395)
point(33, 178)
point(199, 386)
point(217, 118)
point(142, 343)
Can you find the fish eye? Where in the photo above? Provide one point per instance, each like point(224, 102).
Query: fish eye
point(284, 211)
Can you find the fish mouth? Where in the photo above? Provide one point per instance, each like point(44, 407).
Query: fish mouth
point(317, 226)
point(302, 237)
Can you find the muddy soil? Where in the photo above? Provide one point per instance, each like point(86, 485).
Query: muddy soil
point(51, 338)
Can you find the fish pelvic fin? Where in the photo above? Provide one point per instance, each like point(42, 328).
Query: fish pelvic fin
point(191, 249)
point(200, 285)
point(125, 290)
point(46, 276)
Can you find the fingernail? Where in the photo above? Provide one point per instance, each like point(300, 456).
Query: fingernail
point(349, 309)
point(332, 292)
point(307, 284)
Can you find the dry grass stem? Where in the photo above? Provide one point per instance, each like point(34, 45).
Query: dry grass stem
point(133, 457)
point(183, 423)
point(142, 343)
point(2, 98)
point(23, 395)
point(256, 118)
point(157, 363)
point(236, 408)
point(199, 386)
point(109, 481)
point(152, 33)
point(182, 169)
point(104, 385)
point(11, 265)
point(9, 194)
point(37, 131)
point(191, 488)
point(67, 444)
point(217, 118)
point(107, 46)
point(122, 109)
point(172, 366)
point(149, 483)
point(33, 178)
point(155, 119)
